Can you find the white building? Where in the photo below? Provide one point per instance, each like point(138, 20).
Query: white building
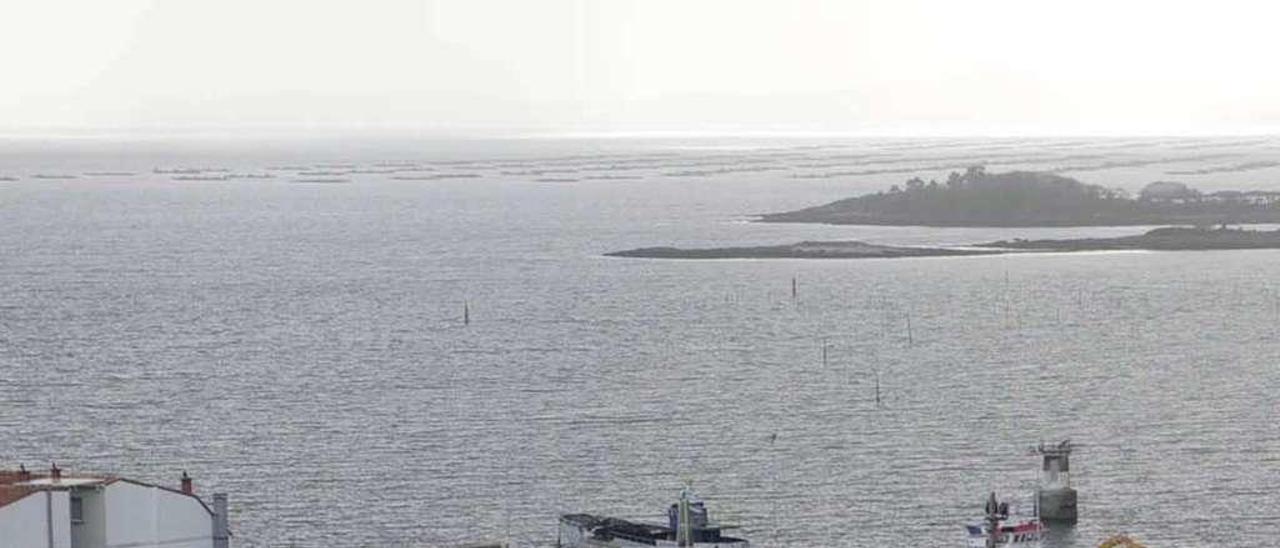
point(62, 511)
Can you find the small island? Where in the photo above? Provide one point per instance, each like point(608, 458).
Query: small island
point(1037, 199)
point(1160, 239)
point(850, 249)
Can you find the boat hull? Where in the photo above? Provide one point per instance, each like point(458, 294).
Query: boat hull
point(573, 535)
point(1020, 535)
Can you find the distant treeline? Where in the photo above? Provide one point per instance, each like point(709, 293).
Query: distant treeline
point(1028, 198)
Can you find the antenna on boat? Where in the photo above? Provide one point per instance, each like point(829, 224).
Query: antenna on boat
point(684, 536)
point(506, 517)
point(993, 521)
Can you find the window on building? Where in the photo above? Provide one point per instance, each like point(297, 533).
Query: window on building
point(77, 509)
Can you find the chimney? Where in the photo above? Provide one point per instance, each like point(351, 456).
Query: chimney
point(55, 473)
point(187, 487)
point(221, 525)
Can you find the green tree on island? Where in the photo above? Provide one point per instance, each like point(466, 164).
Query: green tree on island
point(977, 197)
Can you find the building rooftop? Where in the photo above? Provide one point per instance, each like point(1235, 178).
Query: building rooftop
point(9, 491)
point(17, 484)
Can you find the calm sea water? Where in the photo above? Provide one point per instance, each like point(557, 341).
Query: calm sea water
point(301, 345)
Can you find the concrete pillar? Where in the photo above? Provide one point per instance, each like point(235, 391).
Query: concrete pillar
point(48, 514)
point(221, 524)
point(1055, 498)
point(1057, 505)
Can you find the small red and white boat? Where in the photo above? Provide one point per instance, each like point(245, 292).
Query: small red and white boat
point(1006, 527)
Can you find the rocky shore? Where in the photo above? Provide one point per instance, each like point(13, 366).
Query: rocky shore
point(1160, 239)
point(850, 249)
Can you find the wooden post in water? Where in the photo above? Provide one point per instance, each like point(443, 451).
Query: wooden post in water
point(466, 313)
point(1005, 293)
point(773, 475)
point(878, 402)
point(795, 290)
point(1268, 295)
point(1007, 322)
point(910, 339)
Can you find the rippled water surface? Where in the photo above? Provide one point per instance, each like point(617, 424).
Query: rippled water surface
point(170, 306)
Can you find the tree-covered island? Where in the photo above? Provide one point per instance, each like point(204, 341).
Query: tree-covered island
point(1030, 198)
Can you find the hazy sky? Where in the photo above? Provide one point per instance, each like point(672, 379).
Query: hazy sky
point(990, 66)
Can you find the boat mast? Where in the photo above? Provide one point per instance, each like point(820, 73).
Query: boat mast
point(683, 536)
point(993, 521)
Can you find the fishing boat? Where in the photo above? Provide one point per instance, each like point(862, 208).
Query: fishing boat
point(1006, 526)
point(688, 525)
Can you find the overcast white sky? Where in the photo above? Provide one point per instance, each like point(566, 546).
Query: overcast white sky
point(870, 66)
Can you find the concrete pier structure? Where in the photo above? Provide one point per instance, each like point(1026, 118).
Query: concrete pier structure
point(1055, 498)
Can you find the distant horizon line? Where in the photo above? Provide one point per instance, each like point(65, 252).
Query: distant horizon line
point(298, 133)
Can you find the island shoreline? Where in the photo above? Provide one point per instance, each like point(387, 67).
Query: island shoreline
point(1160, 239)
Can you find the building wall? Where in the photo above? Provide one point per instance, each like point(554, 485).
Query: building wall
point(93, 532)
point(139, 516)
point(25, 522)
